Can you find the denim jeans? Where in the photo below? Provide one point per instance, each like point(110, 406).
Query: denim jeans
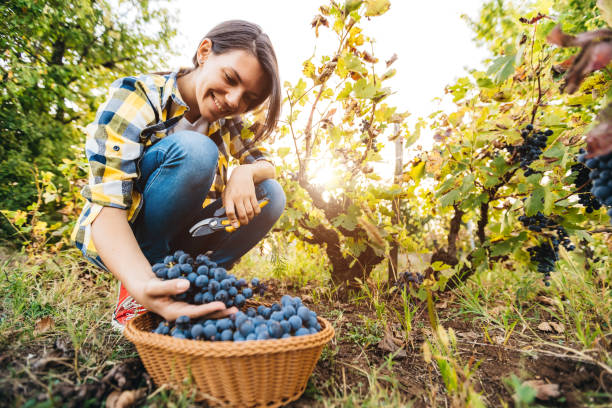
point(176, 175)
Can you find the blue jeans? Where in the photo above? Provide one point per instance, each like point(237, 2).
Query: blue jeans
point(176, 175)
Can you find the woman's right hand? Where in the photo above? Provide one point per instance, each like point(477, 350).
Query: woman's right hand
point(121, 254)
point(155, 295)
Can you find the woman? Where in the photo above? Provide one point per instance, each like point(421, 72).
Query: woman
point(159, 145)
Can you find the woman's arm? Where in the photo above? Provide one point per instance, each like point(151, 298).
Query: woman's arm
point(119, 250)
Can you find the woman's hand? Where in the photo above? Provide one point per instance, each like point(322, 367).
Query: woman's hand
point(239, 197)
point(155, 295)
point(121, 254)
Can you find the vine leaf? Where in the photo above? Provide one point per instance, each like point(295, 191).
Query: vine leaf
point(502, 67)
point(376, 7)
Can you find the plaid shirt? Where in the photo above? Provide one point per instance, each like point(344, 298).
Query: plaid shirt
point(136, 115)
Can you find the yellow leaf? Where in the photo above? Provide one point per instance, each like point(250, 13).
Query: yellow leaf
point(377, 7)
point(355, 37)
point(309, 69)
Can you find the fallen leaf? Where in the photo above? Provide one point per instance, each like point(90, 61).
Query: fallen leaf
point(391, 344)
point(544, 391)
point(559, 328)
point(44, 325)
point(442, 305)
point(498, 340)
point(545, 326)
point(469, 335)
point(124, 399)
point(545, 300)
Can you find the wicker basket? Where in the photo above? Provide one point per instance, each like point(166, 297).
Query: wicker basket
point(257, 373)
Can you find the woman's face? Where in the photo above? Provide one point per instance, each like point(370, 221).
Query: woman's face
point(226, 84)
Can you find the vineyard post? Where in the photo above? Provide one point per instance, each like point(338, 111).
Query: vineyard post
point(397, 179)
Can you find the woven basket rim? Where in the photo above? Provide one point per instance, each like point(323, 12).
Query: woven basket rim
point(220, 349)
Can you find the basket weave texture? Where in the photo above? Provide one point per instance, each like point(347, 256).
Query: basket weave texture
point(256, 373)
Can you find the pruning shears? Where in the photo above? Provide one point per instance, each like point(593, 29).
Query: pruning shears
point(217, 222)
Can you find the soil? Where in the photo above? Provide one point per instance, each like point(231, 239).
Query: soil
point(346, 361)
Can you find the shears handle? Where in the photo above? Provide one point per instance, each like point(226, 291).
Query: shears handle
point(231, 228)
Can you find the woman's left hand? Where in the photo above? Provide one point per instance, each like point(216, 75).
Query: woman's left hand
point(239, 197)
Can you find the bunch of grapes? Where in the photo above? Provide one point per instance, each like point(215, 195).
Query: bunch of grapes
point(208, 282)
point(541, 223)
point(583, 184)
point(406, 278)
point(531, 148)
point(601, 176)
point(545, 255)
point(547, 252)
point(289, 318)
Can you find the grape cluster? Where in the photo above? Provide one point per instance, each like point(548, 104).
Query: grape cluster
point(547, 252)
point(531, 148)
point(208, 282)
point(540, 223)
point(583, 184)
point(406, 278)
point(279, 321)
point(601, 176)
point(545, 255)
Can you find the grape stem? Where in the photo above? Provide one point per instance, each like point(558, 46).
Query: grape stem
point(578, 190)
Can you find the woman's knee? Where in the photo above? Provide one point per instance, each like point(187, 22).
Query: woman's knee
point(197, 154)
point(271, 189)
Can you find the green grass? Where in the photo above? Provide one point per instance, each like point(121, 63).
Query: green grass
point(502, 305)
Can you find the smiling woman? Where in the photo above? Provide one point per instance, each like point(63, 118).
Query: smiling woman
point(159, 150)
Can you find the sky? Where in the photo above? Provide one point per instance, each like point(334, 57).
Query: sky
point(433, 43)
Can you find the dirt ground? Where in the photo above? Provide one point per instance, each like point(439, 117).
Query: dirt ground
point(341, 369)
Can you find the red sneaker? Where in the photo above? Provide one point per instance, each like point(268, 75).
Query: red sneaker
point(126, 309)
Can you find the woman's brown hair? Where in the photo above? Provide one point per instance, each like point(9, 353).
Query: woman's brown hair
point(242, 35)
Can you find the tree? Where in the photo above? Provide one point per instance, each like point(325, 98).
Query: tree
point(56, 57)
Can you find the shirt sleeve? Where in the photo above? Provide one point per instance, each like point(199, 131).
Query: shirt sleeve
point(242, 146)
point(113, 145)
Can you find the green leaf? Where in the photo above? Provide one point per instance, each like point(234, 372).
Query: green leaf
point(485, 83)
point(502, 67)
point(549, 200)
point(535, 202)
point(364, 90)
point(283, 151)
point(346, 91)
point(351, 5)
point(353, 63)
point(555, 151)
point(449, 198)
point(468, 183)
